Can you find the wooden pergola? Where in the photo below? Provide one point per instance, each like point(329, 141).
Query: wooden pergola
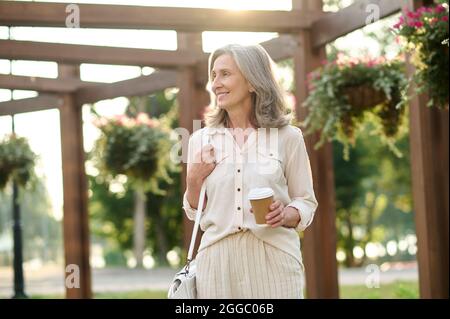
point(304, 32)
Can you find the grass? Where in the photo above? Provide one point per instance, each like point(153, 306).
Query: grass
point(395, 290)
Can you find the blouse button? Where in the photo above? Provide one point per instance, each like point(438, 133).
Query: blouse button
point(238, 189)
point(239, 208)
point(239, 170)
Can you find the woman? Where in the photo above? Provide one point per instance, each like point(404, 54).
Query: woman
point(238, 258)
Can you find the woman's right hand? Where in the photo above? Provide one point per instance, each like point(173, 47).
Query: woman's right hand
point(203, 164)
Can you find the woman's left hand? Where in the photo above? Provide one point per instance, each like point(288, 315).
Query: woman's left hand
point(276, 216)
point(280, 215)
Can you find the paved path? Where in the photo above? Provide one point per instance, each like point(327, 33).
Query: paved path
point(51, 280)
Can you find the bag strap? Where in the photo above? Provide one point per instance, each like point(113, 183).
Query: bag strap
point(198, 215)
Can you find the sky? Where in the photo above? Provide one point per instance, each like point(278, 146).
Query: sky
point(42, 128)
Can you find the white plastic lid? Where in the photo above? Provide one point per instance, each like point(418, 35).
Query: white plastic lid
point(259, 193)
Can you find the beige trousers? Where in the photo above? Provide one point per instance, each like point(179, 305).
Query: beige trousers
point(241, 266)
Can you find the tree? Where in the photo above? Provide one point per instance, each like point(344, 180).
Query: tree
point(373, 195)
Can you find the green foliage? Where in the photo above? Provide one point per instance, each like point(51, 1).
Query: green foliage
point(344, 92)
point(154, 105)
point(17, 161)
point(166, 218)
point(373, 195)
point(111, 214)
point(425, 33)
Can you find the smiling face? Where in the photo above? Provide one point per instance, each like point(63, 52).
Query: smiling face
point(228, 84)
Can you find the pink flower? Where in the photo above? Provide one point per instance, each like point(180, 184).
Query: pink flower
point(122, 121)
point(413, 15)
point(119, 117)
point(142, 118)
point(422, 10)
point(439, 8)
point(418, 24)
point(128, 122)
point(434, 20)
point(400, 22)
point(444, 18)
point(341, 59)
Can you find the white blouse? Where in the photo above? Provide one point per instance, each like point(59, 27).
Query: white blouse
point(275, 158)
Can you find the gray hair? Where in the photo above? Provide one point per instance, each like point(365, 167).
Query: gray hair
point(268, 100)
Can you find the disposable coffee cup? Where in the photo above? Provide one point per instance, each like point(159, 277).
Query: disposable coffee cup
point(261, 199)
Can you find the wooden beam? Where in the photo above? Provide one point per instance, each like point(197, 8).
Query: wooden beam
point(142, 85)
point(192, 100)
point(76, 217)
point(39, 103)
point(16, 82)
point(40, 14)
point(429, 135)
point(430, 177)
point(76, 230)
point(279, 48)
point(351, 18)
point(75, 54)
point(319, 242)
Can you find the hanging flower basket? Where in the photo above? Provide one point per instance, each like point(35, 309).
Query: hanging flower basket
point(424, 34)
point(129, 146)
point(17, 161)
point(342, 92)
point(364, 96)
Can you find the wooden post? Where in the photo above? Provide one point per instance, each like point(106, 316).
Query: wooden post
point(429, 169)
point(192, 98)
point(76, 220)
point(319, 242)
